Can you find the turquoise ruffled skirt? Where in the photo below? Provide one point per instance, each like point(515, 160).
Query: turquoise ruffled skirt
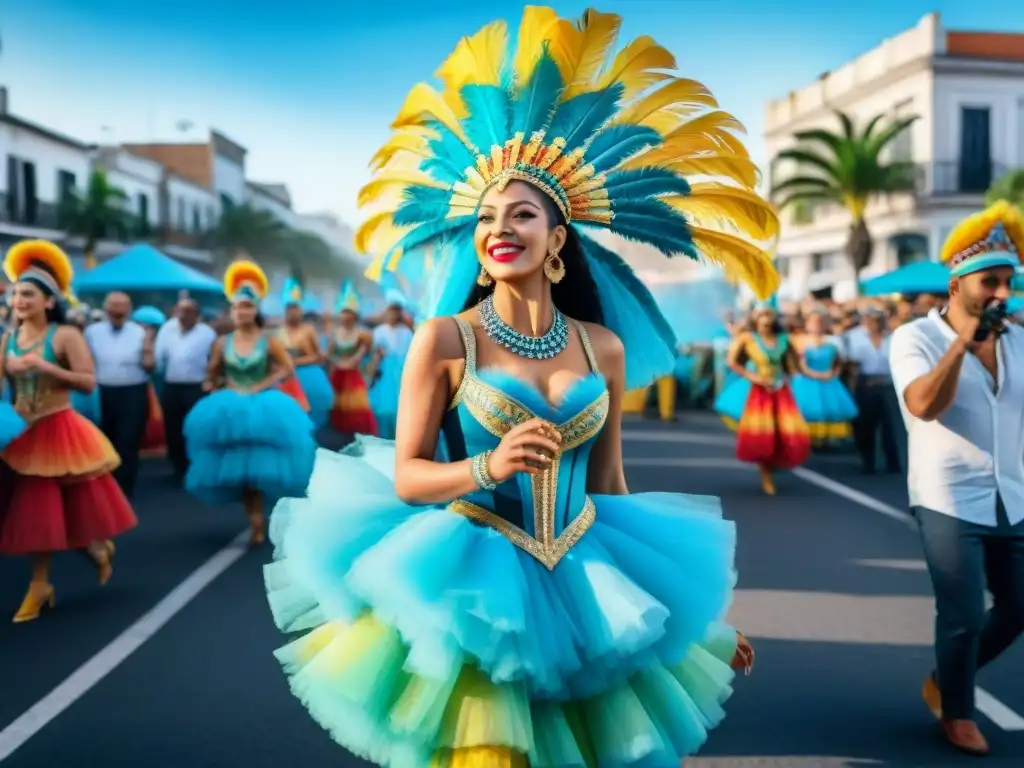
point(425, 636)
point(11, 424)
point(384, 395)
point(87, 405)
point(318, 391)
point(258, 441)
point(823, 402)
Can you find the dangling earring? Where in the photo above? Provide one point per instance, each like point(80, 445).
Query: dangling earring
point(554, 267)
point(483, 279)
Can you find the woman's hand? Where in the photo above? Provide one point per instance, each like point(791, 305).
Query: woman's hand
point(527, 448)
point(743, 658)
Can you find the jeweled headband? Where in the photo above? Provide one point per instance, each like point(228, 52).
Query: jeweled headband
point(992, 238)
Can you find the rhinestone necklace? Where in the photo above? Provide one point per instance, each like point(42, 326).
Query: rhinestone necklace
point(544, 347)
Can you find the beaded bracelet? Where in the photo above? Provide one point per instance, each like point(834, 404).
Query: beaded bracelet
point(481, 474)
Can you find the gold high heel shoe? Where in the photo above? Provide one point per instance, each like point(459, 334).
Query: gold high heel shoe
point(34, 602)
point(767, 482)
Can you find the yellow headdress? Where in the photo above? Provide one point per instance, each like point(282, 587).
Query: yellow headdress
point(611, 138)
point(245, 281)
point(41, 261)
point(992, 238)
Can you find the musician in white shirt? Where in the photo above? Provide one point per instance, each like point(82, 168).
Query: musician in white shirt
point(963, 403)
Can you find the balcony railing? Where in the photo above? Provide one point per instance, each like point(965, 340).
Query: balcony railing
point(957, 177)
point(16, 211)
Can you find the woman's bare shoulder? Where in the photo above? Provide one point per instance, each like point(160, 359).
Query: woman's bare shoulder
point(607, 346)
point(440, 338)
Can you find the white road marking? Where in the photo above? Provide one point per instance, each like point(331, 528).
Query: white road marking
point(997, 712)
point(103, 663)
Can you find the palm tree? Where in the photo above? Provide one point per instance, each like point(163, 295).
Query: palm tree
point(847, 167)
point(244, 231)
point(96, 215)
point(1009, 187)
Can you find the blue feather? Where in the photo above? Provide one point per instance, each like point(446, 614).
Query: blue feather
point(536, 101)
point(641, 183)
point(631, 312)
point(449, 149)
point(617, 143)
point(455, 271)
point(655, 223)
point(428, 232)
point(490, 111)
point(422, 204)
point(580, 117)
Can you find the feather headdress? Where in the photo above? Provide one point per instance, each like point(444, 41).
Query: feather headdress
point(292, 293)
point(992, 238)
point(42, 261)
point(348, 299)
point(245, 281)
point(611, 138)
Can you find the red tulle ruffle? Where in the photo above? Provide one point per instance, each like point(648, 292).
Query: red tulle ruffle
point(772, 431)
point(291, 386)
point(351, 412)
point(63, 445)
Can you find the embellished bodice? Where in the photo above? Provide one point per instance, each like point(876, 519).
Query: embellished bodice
point(766, 360)
point(342, 348)
point(37, 394)
point(820, 357)
point(294, 350)
point(547, 513)
point(246, 370)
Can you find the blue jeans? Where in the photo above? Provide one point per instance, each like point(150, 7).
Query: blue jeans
point(963, 559)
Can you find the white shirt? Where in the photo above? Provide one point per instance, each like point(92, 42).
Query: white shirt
point(872, 360)
point(182, 356)
point(117, 353)
point(959, 461)
point(393, 341)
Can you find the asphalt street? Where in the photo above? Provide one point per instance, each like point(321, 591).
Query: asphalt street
point(832, 593)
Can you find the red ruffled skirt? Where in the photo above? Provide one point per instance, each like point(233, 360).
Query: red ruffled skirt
point(154, 442)
point(291, 386)
point(56, 492)
point(351, 412)
point(772, 431)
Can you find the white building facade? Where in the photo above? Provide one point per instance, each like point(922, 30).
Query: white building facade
point(967, 90)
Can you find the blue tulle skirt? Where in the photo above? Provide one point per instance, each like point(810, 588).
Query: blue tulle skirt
point(625, 632)
point(11, 424)
point(827, 407)
point(318, 391)
point(258, 441)
point(384, 395)
point(733, 399)
point(87, 405)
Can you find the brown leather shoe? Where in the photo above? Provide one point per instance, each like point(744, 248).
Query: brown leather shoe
point(932, 697)
point(965, 736)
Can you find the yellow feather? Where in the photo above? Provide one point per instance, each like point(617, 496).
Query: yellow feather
point(403, 141)
point(595, 35)
point(732, 206)
point(386, 180)
point(707, 133)
point(977, 227)
point(476, 59)
point(379, 233)
point(375, 268)
point(424, 104)
point(670, 102)
point(635, 67)
point(535, 28)
point(740, 258)
point(742, 170)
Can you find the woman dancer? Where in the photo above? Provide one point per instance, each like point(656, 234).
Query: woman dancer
point(248, 439)
point(301, 341)
point(56, 492)
point(759, 406)
point(351, 413)
point(154, 440)
point(822, 399)
point(517, 603)
point(391, 341)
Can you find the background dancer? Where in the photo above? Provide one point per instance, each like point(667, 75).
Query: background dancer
point(822, 400)
point(391, 342)
point(445, 623)
point(351, 413)
point(56, 491)
point(770, 431)
point(248, 440)
point(302, 342)
point(958, 377)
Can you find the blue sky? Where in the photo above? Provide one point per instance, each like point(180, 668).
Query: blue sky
point(310, 87)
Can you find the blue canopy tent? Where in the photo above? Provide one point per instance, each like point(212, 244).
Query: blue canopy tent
point(149, 277)
point(919, 277)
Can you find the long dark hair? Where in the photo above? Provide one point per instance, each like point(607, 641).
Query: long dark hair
point(59, 313)
point(576, 295)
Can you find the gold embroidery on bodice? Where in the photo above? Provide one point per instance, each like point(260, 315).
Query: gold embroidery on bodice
point(498, 413)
